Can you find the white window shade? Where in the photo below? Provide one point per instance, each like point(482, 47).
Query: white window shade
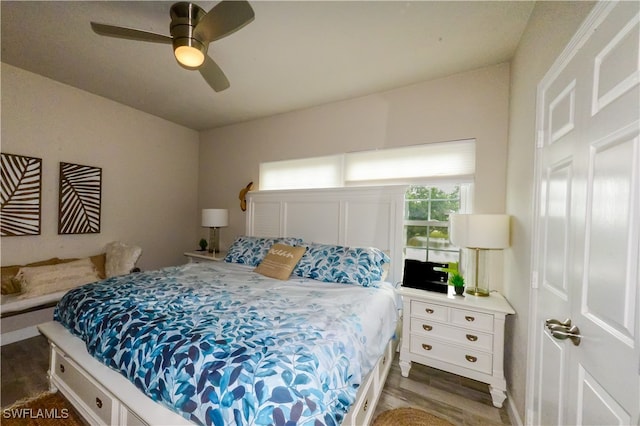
point(447, 159)
point(454, 161)
point(316, 172)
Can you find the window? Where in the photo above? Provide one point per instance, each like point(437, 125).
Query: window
point(426, 221)
point(440, 175)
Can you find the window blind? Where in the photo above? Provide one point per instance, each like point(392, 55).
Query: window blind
point(453, 160)
point(304, 173)
point(447, 159)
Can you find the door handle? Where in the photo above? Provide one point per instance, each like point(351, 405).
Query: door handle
point(562, 332)
point(551, 321)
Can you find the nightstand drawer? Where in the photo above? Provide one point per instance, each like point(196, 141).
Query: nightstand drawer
point(428, 310)
point(470, 319)
point(466, 337)
point(464, 357)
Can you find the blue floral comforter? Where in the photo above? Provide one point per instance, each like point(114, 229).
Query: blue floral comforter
point(220, 344)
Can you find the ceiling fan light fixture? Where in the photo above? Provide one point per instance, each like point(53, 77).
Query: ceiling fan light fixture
point(188, 48)
point(188, 55)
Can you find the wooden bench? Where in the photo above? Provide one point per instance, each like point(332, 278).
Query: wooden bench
point(20, 315)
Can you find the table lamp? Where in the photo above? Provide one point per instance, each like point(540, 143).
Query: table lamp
point(479, 232)
point(214, 219)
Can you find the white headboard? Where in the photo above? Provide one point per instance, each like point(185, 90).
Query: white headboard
point(357, 217)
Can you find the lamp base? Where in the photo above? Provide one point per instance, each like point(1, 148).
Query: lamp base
point(477, 291)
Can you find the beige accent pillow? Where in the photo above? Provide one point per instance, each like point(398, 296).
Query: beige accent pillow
point(121, 258)
point(10, 285)
point(39, 280)
point(280, 261)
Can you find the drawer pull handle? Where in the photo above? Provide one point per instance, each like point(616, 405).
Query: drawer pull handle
point(384, 360)
point(469, 318)
point(426, 347)
point(429, 310)
point(427, 327)
point(98, 402)
point(471, 358)
point(62, 368)
point(365, 406)
point(472, 338)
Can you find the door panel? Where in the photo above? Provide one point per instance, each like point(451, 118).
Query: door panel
point(557, 224)
point(596, 406)
point(552, 383)
point(609, 286)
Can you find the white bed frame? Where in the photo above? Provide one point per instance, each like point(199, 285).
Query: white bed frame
point(356, 217)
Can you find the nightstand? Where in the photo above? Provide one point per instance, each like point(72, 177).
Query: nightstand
point(461, 335)
point(204, 256)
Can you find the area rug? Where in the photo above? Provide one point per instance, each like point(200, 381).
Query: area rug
point(409, 417)
point(47, 409)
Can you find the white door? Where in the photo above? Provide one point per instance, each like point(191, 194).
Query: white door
point(586, 253)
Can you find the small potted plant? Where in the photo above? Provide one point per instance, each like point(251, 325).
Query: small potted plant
point(457, 281)
point(203, 244)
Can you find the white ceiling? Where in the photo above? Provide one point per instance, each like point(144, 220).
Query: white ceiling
point(295, 54)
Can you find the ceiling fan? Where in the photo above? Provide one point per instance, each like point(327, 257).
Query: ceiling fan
point(192, 29)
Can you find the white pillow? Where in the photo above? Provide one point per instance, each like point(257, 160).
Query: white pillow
point(39, 280)
point(121, 258)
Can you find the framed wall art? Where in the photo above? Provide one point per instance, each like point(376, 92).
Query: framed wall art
point(80, 199)
point(21, 195)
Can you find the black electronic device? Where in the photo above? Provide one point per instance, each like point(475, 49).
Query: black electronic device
point(423, 276)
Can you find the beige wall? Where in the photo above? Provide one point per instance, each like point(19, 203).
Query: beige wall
point(149, 170)
point(469, 105)
point(551, 26)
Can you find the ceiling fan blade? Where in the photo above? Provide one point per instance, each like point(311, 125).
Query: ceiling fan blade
point(214, 75)
point(129, 33)
point(223, 19)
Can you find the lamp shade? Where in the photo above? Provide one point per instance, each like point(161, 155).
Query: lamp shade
point(483, 231)
point(215, 218)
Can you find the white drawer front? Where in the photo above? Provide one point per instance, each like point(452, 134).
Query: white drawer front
point(367, 405)
point(471, 338)
point(429, 310)
point(386, 359)
point(95, 399)
point(470, 319)
point(130, 419)
point(465, 357)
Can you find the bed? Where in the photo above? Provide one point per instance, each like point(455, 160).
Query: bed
point(296, 351)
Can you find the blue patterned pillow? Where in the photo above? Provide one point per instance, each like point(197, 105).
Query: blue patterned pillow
point(340, 264)
point(251, 250)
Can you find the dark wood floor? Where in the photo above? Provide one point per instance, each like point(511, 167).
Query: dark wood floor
point(462, 401)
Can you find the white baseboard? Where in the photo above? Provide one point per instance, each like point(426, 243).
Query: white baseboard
point(513, 413)
point(18, 335)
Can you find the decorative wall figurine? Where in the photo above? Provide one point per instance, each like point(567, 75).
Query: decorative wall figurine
point(243, 196)
point(80, 199)
point(21, 194)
